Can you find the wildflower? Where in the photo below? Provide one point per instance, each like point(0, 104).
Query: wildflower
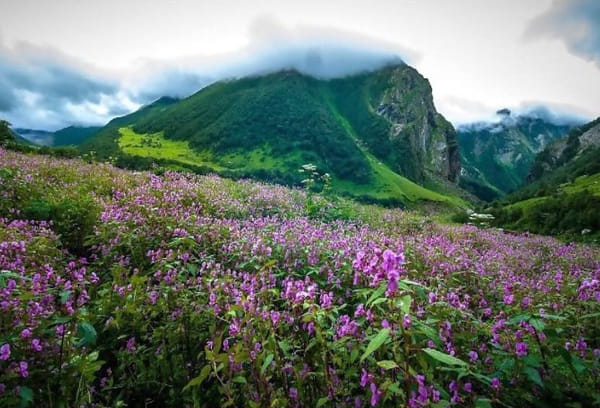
point(293, 393)
point(521, 349)
point(365, 378)
point(375, 394)
point(406, 322)
point(473, 356)
point(5, 352)
point(23, 369)
point(495, 383)
point(35, 345)
point(130, 346)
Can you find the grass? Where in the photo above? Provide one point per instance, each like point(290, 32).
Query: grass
point(385, 183)
point(582, 183)
point(155, 145)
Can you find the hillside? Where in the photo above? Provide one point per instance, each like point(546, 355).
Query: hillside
point(377, 134)
point(497, 157)
point(564, 195)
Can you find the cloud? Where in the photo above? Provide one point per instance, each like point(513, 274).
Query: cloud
point(576, 23)
point(319, 52)
point(43, 88)
point(560, 115)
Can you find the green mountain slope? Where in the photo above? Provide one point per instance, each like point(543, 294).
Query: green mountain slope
point(377, 134)
point(564, 196)
point(498, 157)
point(74, 135)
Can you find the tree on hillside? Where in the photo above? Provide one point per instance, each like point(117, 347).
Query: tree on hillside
point(6, 135)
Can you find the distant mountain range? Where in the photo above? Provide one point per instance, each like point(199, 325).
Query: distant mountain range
point(72, 135)
point(563, 193)
point(497, 156)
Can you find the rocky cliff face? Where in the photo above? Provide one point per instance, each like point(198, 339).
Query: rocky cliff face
point(565, 150)
point(407, 104)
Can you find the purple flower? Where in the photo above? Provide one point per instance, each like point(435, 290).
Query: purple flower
point(130, 346)
point(293, 393)
point(35, 345)
point(365, 378)
point(495, 383)
point(473, 356)
point(406, 322)
point(5, 352)
point(521, 349)
point(23, 369)
point(468, 387)
point(375, 394)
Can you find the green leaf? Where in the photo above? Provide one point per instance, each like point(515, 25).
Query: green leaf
point(266, 363)
point(387, 364)
point(64, 296)
point(375, 343)
point(377, 294)
point(240, 379)
point(537, 324)
point(86, 334)
point(483, 403)
point(519, 318)
point(285, 347)
point(26, 395)
point(204, 373)
point(404, 304)
point(378, 301)
point(444, 358)
point(533, 375)
point(322, 401)
point(394, 388)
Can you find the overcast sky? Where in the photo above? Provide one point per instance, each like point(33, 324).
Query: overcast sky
point(83, 61)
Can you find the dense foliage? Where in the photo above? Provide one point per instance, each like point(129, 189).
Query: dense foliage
point(201, 291)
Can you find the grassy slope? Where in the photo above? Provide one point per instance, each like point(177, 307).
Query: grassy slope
point(385, 185)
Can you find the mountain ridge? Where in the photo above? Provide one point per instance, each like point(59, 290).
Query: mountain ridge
point(350, 127)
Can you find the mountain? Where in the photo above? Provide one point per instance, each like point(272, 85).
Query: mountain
point(498, 156)
point(377, 134)
point(566, 150)
point(72, 135)
point(37, 137)
point(564, 194)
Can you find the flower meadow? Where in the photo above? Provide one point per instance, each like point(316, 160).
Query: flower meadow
point(174, 290)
